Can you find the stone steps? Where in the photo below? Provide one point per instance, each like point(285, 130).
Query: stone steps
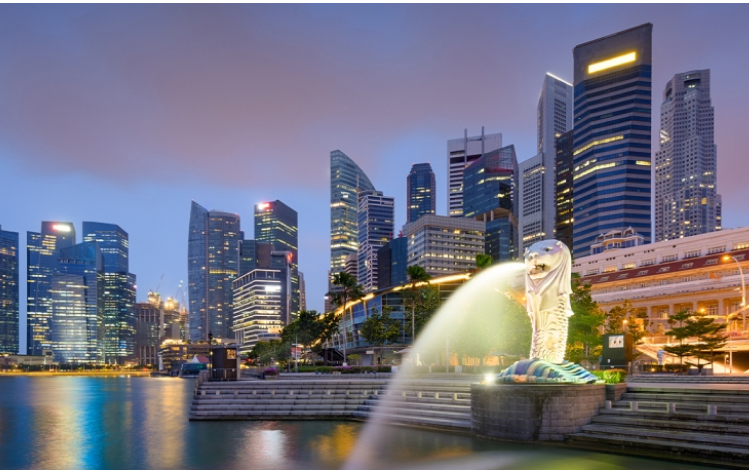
point(691, 424)
point(430, 421)
point(690, 452)
point(723, 427)
point(444, 404)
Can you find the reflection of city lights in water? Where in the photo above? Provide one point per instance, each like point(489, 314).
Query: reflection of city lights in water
point(337, 445)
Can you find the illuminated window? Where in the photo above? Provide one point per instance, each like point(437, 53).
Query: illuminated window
point(613, 62)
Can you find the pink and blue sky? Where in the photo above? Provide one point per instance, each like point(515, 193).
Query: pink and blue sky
point(125, 113)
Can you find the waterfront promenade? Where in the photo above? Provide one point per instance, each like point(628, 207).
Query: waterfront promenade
point(85, 373)
point(688, 419)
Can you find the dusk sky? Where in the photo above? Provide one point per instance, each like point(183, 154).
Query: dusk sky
point(125, 113)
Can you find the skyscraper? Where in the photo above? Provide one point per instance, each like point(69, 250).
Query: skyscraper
point(444, 245)
point(392, 263)
point(43, 259)
point(277, 223)
point(9, 289)
point(76, 296)
point(490, 195)
point(461, 153)
point(537, 180)
point(212, 265)
point(263, 301)
point(376, 226)
point(564, 187)
point(686, 197)
point(119, 337)
point(612, 130)
point(346, 180)
point(421, 192)
point(253, 254)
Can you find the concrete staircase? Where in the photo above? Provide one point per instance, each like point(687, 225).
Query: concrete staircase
point(439, 404)
point(443, 404)
point(697, 425)
point(281, 399)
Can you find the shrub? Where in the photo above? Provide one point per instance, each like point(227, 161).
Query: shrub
point(324, 369)
point(611, 376)
point(270, 371)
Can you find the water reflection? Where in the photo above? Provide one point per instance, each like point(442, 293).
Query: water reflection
point(82, 423)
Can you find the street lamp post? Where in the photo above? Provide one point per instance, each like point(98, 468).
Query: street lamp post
point(743, 290)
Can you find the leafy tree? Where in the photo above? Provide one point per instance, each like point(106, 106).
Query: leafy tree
point(265, 351)
point(617, 316)
point(379, 329)
point(584, 334)
point(329, 326)
point(426, 301)
point(483, 261)
point(417, 276)
point(305, 330)
point(638, 326)
point(710, 336)
point(348, 291)
point(680, 333)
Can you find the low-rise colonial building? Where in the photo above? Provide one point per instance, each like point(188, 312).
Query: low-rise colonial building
point(701, 273)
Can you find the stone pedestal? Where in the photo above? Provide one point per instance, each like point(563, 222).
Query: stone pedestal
point(525, 412)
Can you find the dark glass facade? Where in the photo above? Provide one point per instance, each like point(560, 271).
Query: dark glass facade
point(490, 195)
point(392, 259)
point(9, 290)
point(42, 262)
point(612, 134)
point(119, 335)
point(564, 189)
point(277, 223)
point(420, 191)
point(212, 266)
point(254, 254)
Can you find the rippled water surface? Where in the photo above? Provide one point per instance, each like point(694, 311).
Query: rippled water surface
point(80, 423)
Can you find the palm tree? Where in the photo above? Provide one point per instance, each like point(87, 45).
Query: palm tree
point(416, 275)
point(348, 290)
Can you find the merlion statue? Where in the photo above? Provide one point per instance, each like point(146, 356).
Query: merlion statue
point(548, 286)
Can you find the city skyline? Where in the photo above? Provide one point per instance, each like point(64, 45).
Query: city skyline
point(151, 199)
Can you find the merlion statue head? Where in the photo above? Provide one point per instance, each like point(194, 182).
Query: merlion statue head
point(548, 263)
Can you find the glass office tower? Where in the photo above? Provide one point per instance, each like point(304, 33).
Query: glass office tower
point(9, 289)
point(687, 202)
point(489, 195)
point(42, 261)
point(376, 226)
point(612, 131)
point(278, 224)
point(77, 305)
point(564, 189)
point(421, 192)
point(346, 180)
point(212, 266)
point(462, 152)
point(119, 339)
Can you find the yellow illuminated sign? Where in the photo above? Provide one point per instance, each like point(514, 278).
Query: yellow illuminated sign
point(613, 62)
